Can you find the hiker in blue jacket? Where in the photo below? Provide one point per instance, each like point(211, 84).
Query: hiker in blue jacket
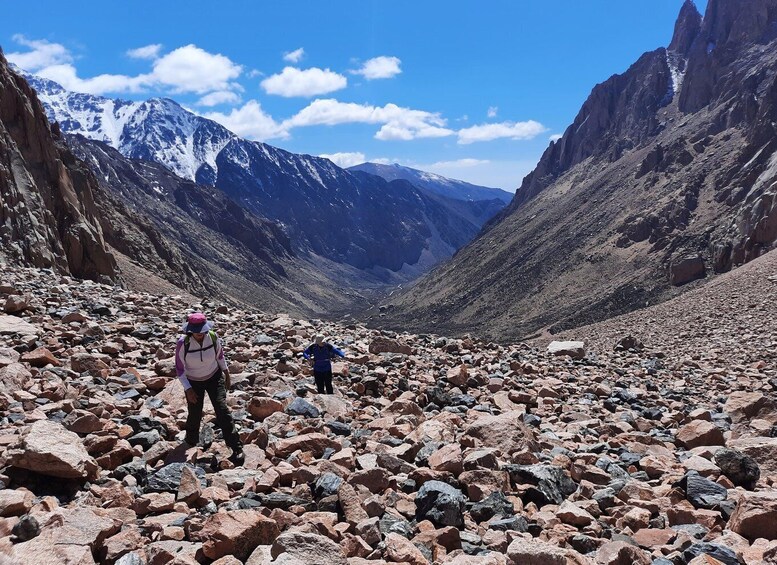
point(322, 354)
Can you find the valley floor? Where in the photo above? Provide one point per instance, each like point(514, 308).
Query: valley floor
point(432, 449)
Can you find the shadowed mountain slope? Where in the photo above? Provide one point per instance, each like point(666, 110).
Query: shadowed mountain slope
point(666, 175)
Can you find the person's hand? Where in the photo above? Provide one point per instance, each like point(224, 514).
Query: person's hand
point(227, 380)
point(191, 396)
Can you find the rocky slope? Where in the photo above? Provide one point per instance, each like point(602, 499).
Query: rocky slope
point(432, 450)
point(666, 176)
point(354, 219)
point(48, 216)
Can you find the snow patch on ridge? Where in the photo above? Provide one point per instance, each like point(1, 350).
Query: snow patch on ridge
point(676, 64)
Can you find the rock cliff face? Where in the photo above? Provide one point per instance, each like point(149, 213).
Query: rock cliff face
point(667, 175)
point(48, 216)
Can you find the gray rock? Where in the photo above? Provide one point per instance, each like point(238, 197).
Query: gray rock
point(168, 478)
point(720, 552)
point(301, 407)
point(551, 485)
point(440, 503)
point(495, 504)
point(26, 528)
point(145, 439)
point(742, 469)
point(575, 349)
point(327, 485)
point(702, 492)
point(389, 524)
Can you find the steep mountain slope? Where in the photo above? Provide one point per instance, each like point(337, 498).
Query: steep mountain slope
point(48, 216)
point(666, 175)
point(351, 218)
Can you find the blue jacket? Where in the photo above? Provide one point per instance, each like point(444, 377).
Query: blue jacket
point(322, 355)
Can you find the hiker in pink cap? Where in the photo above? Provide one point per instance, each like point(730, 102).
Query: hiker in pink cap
point(201, 368)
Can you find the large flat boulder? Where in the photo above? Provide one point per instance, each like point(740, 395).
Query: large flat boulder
point(505, 432)
point(49, 449)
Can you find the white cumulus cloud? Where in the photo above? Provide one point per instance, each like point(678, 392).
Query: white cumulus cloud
point(294, 56)
point(219, 97)
point(379, 67)
point(67, 76)
point(492, 111)
point(250, 121)
point(512, 130)
point(555, 137)
point(145, 52)
point(188, 69)
point(191, 69)
point(345, 159)
point(398, 123)
point(308, 82)
point(41, 54)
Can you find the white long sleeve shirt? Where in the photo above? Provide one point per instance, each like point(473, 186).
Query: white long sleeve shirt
point(201, 361)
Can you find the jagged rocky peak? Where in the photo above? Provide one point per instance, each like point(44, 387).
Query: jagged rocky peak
point(738, 22)
point(686, 29)
point(729, 29)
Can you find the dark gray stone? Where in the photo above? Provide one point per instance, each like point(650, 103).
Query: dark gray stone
point(168, 478)
point(137, 468)
point(326, 485)
point(338, 428)
point(441, 504)
point(742, 469)
point(390, 524)
point(722, 553)
point(514, 523)
point(145, 439)
point(144, 424)
point(551, 485)
point(495, 504)
point(285, 501)
point(301, 407)
point(702, 492)
point(143, 332)
point(26, 528)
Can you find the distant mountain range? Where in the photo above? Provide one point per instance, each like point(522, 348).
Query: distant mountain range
point(667, 176)
point(456, 189)
point(349, 217)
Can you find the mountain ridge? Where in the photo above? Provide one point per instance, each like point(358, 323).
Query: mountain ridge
point(348, 217)
point(637, 198)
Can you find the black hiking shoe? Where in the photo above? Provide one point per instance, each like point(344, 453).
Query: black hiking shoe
point(238, 457)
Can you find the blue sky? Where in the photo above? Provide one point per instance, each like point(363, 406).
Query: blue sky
point(471, 90)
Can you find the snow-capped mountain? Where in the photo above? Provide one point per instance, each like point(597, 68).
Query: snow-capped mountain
point(157, 129)
point(350, 217)
point(452, 188)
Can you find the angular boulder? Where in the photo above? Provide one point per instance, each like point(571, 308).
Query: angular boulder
point(304, 547)
point(313, 442)
point(47, 448)
point(441, 504)
point(575, 349)
point(686, 270)
point(236, 532)
point(755, 516)
point(505, 432)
